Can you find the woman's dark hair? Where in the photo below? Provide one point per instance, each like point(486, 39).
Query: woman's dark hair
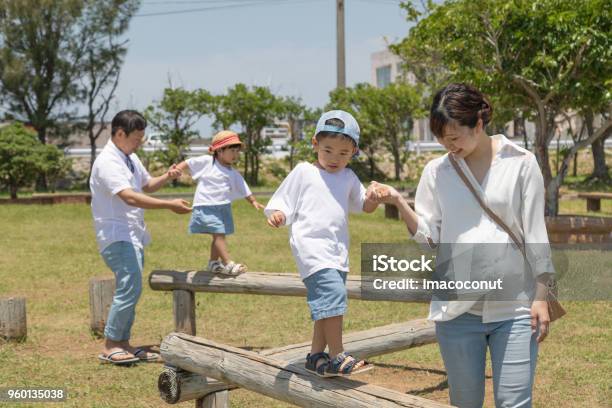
point(334, 122)
point(460, 103)
point(129, 121)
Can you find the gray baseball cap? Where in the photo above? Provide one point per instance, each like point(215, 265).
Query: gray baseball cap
point(351, 127)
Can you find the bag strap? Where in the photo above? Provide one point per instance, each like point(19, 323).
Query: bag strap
point(486, 209)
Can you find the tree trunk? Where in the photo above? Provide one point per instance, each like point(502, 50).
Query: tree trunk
point(256, 172)
point(13, 191)
point(396, 159)
point(92, 156)
point(543, 127)
point(41, 180)
point(371, 163)
point(520, 131)
point(600, 169)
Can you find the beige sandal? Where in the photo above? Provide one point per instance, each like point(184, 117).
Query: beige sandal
point(214, 266)
point(232, 269)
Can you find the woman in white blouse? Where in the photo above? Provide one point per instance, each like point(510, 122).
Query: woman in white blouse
point(508, 179)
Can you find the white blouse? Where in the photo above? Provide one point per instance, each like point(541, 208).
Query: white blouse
point(448, 214)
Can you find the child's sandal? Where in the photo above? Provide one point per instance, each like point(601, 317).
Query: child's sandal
point(214, 266)
point(343, 365)
point(312, 363)
point(233, 269)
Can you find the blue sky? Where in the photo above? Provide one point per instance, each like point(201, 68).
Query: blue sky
point(288, 45)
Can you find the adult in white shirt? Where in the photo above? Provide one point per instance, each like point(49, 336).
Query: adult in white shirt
point(118, 183)
point(509, 181)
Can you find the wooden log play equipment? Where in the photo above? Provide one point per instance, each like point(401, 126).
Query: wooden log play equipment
point(178, 386)
point(572, 229)
point(391, 210)
point(101, 292)
point(280, 284)
point(13, 322)
point(277, 378)
point(593, 199)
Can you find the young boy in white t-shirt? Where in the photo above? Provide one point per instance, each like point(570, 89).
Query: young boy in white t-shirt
point(314, 200)
point(218, 185)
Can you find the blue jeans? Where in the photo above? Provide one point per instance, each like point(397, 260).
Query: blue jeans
point(463, 343)
point(126, 261)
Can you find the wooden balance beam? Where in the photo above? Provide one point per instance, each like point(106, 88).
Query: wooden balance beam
point(178, 386)
point(280, 284)
point(277, 378)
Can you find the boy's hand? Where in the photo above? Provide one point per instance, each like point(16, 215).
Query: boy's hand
point(276, 219)
point(174, 172)
point(382, 193)
point(179, 206)
point(257, 205)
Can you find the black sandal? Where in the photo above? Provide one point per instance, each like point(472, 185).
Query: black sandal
point(343, 365)
point(313, 360)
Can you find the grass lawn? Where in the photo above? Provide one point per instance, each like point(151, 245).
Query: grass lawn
point(48, 254)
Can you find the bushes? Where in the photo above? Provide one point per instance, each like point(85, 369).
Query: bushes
point(23, 158)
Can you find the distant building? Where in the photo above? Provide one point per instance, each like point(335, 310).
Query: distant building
point(280, 136)
point(388, 68)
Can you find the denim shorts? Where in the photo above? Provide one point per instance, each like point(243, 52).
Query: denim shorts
point(326, 293)
point(212, 219)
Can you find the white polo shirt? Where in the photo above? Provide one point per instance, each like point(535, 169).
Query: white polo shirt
point(449, 214)
point(316, 205)
point(114, 220)
point(217, 184)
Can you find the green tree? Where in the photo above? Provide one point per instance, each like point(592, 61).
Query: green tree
point(385, 116)
point(355, 100)
point(543, 58)
point(23, 158)
point(252, 109)
point(394, 109)
point(101, 64)
point(42, 47)
point(295, 113)
point(174, 116)
point(43, 50)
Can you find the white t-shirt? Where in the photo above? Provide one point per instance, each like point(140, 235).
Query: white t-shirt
point(114, 220)
point(217, 184)
point(448, 214)
point(316, 204)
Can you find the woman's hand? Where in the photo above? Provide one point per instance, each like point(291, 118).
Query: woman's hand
point(540, 317)
point(382, 193)
point(276, 219)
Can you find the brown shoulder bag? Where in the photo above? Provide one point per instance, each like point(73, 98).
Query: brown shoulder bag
point(555, 310)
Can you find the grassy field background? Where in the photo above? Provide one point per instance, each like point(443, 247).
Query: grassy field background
point(48, 254)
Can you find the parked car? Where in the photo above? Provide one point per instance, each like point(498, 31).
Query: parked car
point(155, 141)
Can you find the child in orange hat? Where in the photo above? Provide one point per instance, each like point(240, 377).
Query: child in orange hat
point(218, 185)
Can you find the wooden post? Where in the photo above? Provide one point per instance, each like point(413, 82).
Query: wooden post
point(184, 311)
point(594, 204)
point(179, 386)
point(101, 292)
point(392, 212)
point(280, 379)
point(13, 324)
point(185, 322)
